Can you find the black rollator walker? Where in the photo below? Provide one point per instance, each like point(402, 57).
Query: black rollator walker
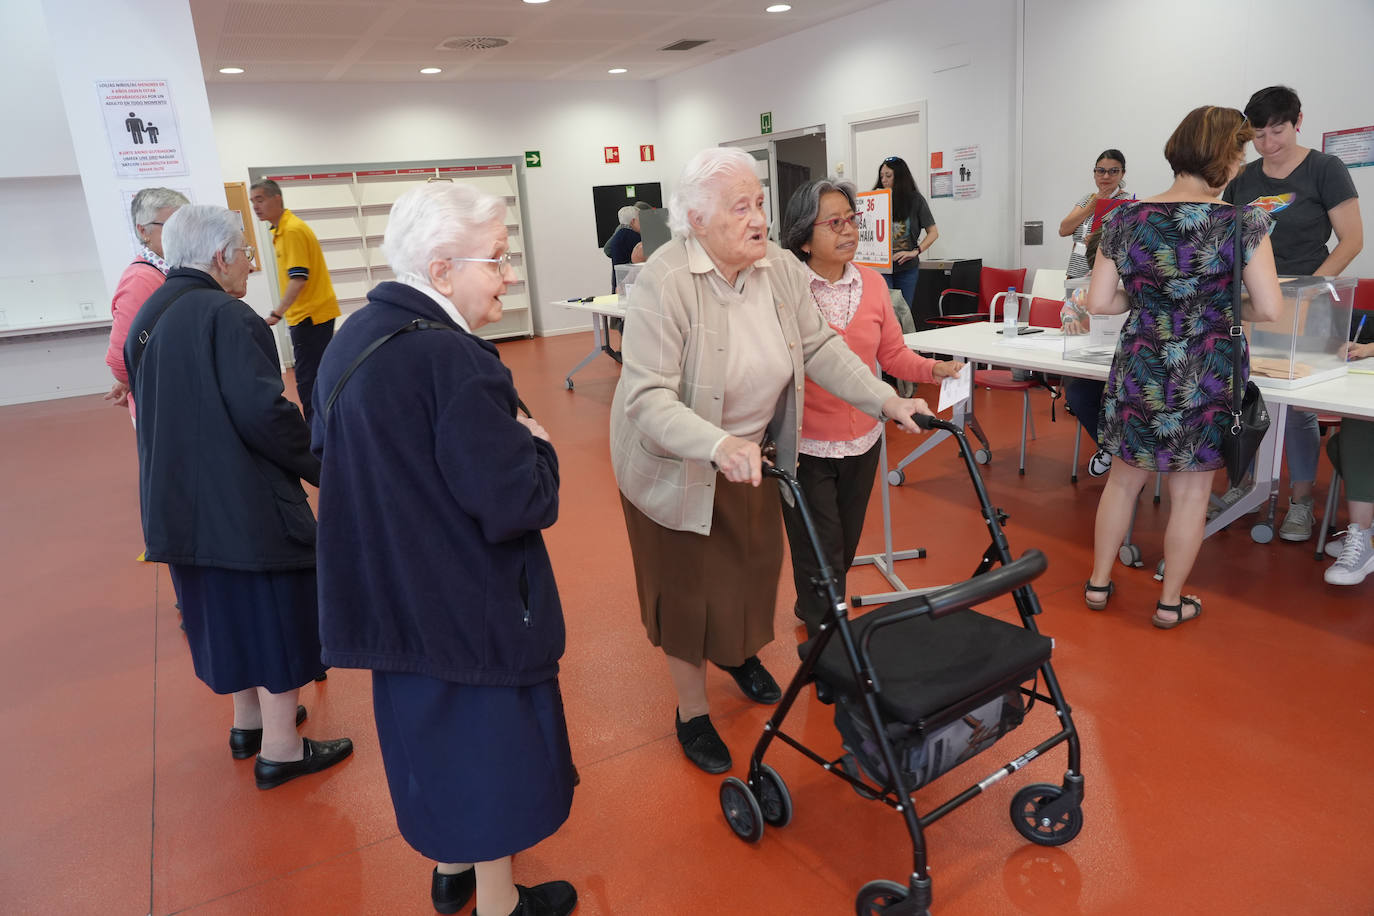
point(920, 686)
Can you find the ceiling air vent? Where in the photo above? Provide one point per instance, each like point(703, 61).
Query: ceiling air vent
point(472, 43)
point(685, 44)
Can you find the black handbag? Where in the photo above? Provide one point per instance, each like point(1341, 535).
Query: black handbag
point(1249, 415)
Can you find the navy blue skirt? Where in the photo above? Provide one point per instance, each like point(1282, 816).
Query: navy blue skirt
point(476, 773)
point(250, 629)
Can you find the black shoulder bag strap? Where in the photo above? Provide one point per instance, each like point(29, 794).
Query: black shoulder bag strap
point(419, 324)
point(143, 335)
point(1237, 332)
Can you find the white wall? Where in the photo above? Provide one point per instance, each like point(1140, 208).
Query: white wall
point(43, 145)
point(569, 123)
point(1149, 71)
point(957, 55)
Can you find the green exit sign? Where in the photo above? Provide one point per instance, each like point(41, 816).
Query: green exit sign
point(766, 122)
point(532, 160)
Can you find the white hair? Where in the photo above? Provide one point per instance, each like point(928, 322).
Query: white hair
point(696, 187)
point(437, 217)
point(143, 208)
point(198, 232)
point(627, 214)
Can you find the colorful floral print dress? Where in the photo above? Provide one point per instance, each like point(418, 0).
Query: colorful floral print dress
point(1168, 397)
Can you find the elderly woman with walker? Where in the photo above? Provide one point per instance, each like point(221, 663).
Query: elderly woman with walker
point(722, 333)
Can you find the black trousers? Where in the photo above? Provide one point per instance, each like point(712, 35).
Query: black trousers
point(837, 492)
point(308, 341)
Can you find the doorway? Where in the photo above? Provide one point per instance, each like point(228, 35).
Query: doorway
point(784, 162)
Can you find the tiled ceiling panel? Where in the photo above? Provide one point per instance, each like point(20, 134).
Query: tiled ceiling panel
point(388, 40)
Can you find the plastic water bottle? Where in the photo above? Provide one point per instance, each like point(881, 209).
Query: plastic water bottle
point(1009, 308)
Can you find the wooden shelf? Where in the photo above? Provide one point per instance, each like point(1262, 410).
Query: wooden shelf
point(348, 210)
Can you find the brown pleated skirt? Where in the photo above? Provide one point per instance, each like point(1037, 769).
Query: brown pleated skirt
point(711, 597)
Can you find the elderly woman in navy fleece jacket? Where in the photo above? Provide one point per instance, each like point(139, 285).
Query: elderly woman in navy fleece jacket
point(432, 569)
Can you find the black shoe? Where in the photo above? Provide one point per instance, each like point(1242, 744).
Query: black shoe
point(324, 676)
point(553, 898)
point(450, 893)
point(245, 742)
point(702, 745)
point(754, 679)
point(319, 755)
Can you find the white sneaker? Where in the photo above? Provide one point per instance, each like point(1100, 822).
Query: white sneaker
point(1297, 521)
point(1226, 500)
point(1100, 463)
point(1335, 544)
point(1356, 560)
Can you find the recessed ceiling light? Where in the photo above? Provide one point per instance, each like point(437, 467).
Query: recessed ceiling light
point(775, 8)
point(617, 70)
point(231, 70)
point(536, 1)
point(430, 70)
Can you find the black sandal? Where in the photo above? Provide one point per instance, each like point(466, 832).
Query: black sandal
point(1098, 604)
point(1168, 623)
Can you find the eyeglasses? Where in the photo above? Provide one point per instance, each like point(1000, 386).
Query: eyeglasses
point(155, 222)
point(1103, 173)
point(891, 159)
point(248, 251)
point(502, 263)
point(838, 223)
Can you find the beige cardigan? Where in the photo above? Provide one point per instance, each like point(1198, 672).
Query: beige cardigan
point(666, 415)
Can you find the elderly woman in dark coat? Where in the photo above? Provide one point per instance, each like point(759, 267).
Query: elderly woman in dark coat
point(432, 566)
point(720, 336)
point(221, 457)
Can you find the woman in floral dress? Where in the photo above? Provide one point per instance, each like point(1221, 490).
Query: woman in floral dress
point(1168, 399)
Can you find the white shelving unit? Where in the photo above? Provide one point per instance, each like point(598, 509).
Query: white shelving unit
point(348, 208)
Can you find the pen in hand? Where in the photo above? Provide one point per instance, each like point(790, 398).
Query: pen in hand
point(1358, 330)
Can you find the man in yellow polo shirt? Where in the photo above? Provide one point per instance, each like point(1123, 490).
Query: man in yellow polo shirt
point(307, 302)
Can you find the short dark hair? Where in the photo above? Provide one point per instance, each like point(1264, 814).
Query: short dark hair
point(1207, 143)
point(1273, 105)
point(1116, 154)
point(271, 187)
point(798, 221)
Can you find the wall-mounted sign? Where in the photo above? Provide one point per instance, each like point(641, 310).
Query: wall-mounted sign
point(142, 126)
point(968, 171)
point(1354, 146)
point(875, 229)
point(766, 122)
point(941, 184)
point(646, 152)
point(533, 159)
point(937, 160)
point(612, 154)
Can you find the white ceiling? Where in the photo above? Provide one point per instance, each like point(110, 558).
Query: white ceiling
point(371, 41)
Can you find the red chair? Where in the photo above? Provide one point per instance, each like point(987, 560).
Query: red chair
point(991, 281)
point(1044, 313)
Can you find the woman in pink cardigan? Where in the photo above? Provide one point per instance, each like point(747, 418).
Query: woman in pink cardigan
point(151, 207)
point(839, 445)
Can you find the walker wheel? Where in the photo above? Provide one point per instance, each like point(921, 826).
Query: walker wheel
point(1129, 554)
point(567, 383)
point(741, 810)
point(896, 478)
point(982, 456)
point(876, 896)
point(774, 800)
point(1034, 826)
point(1262, 533)
point(1159, 571)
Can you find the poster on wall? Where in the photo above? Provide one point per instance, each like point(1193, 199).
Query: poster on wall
point(941, 184)
point(142, 126)
point(967, 164)
point(1353, 146)
point(875, 229)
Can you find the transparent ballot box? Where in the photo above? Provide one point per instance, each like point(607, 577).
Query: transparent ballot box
point(1095, 342)
point(625, 276)
point(1305, 344)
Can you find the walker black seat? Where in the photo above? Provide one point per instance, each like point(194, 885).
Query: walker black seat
point(926, 667)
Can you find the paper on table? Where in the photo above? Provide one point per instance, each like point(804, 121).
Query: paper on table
point(956, 389)
point(1047, 341)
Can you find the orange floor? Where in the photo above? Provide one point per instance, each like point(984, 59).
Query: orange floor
point(1226, 761)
